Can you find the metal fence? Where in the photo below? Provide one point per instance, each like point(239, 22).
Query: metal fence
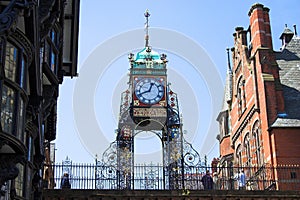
point(157, 177)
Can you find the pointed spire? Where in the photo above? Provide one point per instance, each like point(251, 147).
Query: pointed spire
point(147, 15)
point(228, 59)
point(228, 86)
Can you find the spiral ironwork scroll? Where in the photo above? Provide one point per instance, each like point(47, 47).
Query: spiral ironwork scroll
point(106, 176)
point(190, 156)
point(109, 157)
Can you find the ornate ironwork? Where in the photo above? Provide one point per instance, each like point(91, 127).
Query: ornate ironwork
point(153, 177)
point(125, 106)
point(109, 157)
point(190, 156)
point(117, 164)
point(161, 116)
point(106, 176)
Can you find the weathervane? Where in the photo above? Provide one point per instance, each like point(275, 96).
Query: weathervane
point(147, 15)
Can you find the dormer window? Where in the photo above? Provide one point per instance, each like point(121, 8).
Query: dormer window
point(286, 36)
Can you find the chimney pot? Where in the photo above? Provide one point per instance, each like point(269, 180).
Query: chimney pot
point(295, 29)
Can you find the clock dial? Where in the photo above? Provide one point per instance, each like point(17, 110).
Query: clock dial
point(149, 90)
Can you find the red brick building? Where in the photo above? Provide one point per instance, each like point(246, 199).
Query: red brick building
point(260, 117)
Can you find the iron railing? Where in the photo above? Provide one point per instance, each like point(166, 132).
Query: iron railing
point(157, 177)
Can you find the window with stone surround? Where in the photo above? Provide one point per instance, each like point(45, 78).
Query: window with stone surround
point(256, 132)
point(239, 155)
point(247, 150)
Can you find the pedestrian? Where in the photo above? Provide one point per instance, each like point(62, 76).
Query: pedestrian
point(65, 182)
point(216, 181)
point(241, 178)
point(207, 181)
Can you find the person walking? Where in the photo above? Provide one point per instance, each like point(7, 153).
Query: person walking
point(65, 183)
point(207, 181)
point(241, 178)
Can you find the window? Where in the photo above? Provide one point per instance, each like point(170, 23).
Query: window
point(23, 74)
point(8, 109)
point(12, 109)
point(54, 35)
point(247, 150)
point(19, 181)
point(241, 96)
point(46, 52)
point(293, 175)
point(12, 103)
point(30, 148)
point(228, 121)
point(11, 60)
point(28, 178)
point(257, 143)
point(49, 51)
point(239, 155)
point(15, 65)
point(53, 61)
point(21, 119)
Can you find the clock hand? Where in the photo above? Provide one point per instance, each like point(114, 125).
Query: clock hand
point(151, 84)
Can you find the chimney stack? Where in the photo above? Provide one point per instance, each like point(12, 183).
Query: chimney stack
point(260, 27)
point(295, 29)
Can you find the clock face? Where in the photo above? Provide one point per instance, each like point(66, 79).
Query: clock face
point(149, 90)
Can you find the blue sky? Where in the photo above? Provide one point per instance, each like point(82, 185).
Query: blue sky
point(210, 24)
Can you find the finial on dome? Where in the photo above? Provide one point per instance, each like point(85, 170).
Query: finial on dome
point(147, 15)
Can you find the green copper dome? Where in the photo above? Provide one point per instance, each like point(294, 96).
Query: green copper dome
point(147, 53)
point(148, 59)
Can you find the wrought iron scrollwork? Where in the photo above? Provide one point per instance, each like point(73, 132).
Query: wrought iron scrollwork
point(106, 176)
point(109, 157)
point(190, 156)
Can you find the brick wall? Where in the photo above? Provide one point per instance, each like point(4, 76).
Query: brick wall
point(287, 146)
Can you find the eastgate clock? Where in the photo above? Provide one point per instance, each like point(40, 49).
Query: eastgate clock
point(149, 90)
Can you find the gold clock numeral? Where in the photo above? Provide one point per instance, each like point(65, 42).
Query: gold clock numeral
point(162, 103)
point(136, 103)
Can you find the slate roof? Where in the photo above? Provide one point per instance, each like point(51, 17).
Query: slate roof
point(289, 63)
point(228, 90)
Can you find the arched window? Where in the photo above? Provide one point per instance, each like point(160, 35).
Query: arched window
point(239, 155)
point(247, 150)
point(256, 132)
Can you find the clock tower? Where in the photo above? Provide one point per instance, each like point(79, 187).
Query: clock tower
point(150, 105)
